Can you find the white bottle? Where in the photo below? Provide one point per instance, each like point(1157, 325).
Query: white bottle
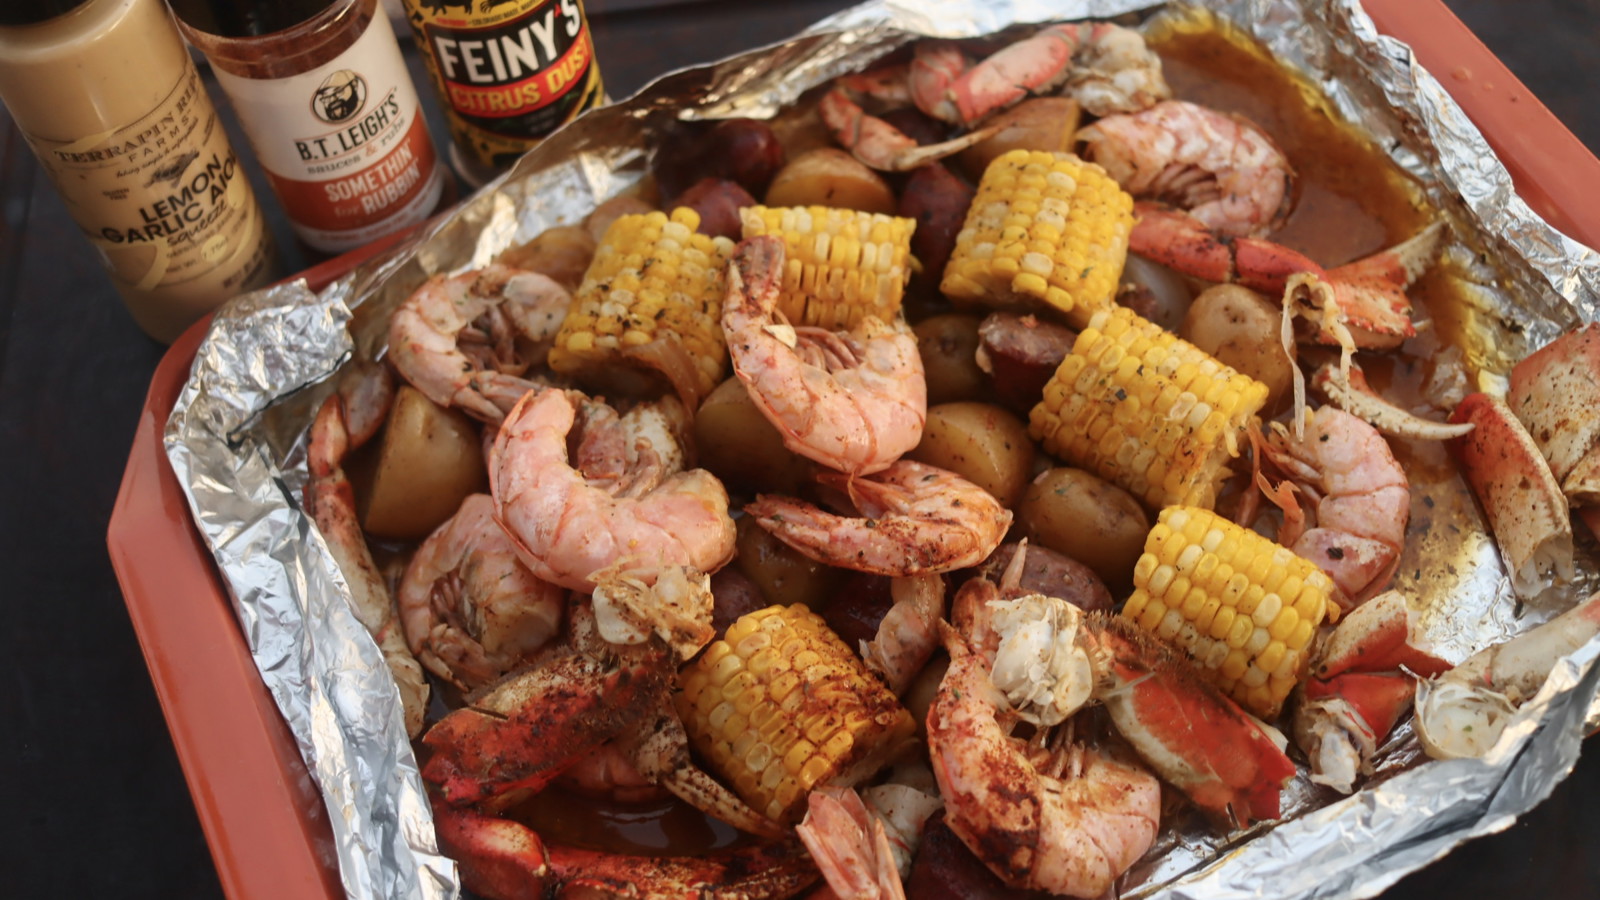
point(107, 96)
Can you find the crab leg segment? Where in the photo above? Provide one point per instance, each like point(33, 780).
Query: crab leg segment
point(1362, 683)
point(1350, 392)
point(1186, 729)
point(1556, 394)
point(1519, 493)
point(498, 857)
point(1463, 712)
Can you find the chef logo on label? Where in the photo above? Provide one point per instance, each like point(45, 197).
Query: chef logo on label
point(340, 96)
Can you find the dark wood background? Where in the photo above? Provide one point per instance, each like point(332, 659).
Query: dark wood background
point(92, 801)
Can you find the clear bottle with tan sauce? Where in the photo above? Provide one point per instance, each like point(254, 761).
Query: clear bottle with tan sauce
point(110, 101)
point(323, 92)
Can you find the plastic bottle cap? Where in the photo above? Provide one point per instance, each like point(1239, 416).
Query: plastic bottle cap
point(36, 11)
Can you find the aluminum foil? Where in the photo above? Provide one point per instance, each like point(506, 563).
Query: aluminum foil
point(236, 442)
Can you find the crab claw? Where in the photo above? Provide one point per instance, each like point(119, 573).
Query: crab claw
point(1184, 728)
point(1361, 684)
point(497, 857)
point(1519, 493)
point(1368, 297)
point(1556, 394)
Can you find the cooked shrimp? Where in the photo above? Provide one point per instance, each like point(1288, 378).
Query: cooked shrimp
point(918, 519)
point(472, 611)
point(455, 338)
point(1061, 819)
point(567, 528)
point(909, 632)
point(347, 419)
point(1360, 499)
point(1222, 169)
point(853, 401)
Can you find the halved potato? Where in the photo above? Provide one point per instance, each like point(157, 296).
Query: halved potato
point(428, 460)
point(828, 176)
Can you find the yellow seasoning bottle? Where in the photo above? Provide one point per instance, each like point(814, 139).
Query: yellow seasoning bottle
point(108, 98)
point(322, 90)
point(509, 72)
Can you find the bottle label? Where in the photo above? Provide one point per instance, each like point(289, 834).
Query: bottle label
point(163, 198)
point(345, 144)
point(510, 71)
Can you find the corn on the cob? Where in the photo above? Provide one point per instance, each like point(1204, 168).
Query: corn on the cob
point(781, 705)
point(839, 264)
point(1048, 226)
point(1147, 411)
point(1244, 607)
point(651, 298)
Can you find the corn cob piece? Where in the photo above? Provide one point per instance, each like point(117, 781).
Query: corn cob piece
point(652, 300)
point(1046, 226)
point(781, 705)
point(839, 264)
point(1242, 606)
point(1146, 410)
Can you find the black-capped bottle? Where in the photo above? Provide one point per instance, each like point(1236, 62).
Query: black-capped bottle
point(508, 72)
point(323, 93)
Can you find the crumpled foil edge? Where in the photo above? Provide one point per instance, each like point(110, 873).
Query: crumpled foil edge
point(276, 348)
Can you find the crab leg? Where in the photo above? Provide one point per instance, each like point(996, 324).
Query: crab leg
point(1350, 392)
point(879, 145)
point(1367, 296)
point(1518, 491)
point(1463, 712)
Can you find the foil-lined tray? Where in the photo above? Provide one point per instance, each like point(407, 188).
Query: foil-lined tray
point(236, 442)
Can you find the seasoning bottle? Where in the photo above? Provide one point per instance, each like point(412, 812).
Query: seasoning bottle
point(509, 72)
point(323, 93)
point(105, 93)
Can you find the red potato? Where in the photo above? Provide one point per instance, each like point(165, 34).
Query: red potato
point(938, 201)
point(1021, 352)
point(743, 150)
point(948, 345)
point(829, 176)
point(1053, 574)
point(718, 202)
point(1043, 123)
point(733, 595)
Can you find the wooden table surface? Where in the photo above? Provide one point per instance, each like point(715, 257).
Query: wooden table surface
point(94, 802)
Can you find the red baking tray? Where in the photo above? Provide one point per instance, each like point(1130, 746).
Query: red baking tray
point(261, 813)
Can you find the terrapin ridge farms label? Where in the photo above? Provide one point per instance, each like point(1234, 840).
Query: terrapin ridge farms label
point(509, 71)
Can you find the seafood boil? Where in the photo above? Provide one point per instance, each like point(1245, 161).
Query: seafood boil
point(745, 619)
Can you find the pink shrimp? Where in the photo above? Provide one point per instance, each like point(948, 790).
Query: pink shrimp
point(472, 611)
point(1360, 500)
point(455, 338)
point(568, 527)
point(1062, 819)
point(909, 632)
point(1222, 169)
point(853, 401)
point(916, 519)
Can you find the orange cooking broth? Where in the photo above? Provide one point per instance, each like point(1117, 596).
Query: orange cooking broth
point(1350, 199)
